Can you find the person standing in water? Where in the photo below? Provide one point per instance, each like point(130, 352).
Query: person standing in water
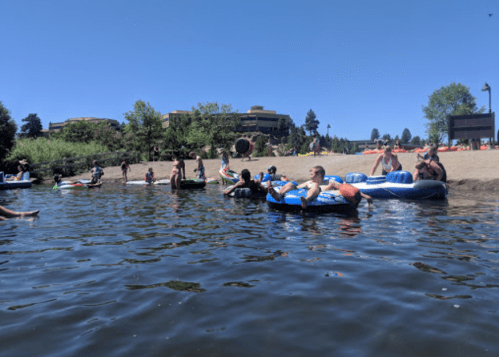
point(124, 168)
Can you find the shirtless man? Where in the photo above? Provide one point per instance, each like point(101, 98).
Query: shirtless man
point(178, 172)
point(200, 168)
point(389, 162)
point(430, 170)
point(317, 174)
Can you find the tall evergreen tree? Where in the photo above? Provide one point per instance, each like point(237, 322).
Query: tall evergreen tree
point(406, 136)
point(33, 127)
point(374, 134)
point(311, 123)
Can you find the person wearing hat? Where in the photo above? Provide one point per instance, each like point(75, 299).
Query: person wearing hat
point(275, 177)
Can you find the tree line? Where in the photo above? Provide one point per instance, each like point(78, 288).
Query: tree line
point(212, 125)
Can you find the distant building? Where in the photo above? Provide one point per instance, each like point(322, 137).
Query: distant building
point(55, 127)
point(255, 119)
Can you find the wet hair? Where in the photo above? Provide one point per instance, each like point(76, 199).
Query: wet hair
point(320, 170)
point(245, 174)
point(420, 165)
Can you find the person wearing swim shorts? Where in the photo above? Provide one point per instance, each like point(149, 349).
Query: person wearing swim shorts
point(200, 168)
point(124, 168)
point(246, 182)
point(350, 193)
point(178, 172)
point(313, 187)
point(388, 160)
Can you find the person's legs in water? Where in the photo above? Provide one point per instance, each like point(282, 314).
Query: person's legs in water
point(286, 188)
point(9, 214)
point(312, 193)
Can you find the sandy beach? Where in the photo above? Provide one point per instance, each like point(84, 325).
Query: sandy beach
point(469, 170)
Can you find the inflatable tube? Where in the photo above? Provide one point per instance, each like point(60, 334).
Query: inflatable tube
point(246, 193)
point(327, 201)
point(229, 176)
point(212, 180)
point(397, 184)
point(328, 178)
point(266, 177)
point(242, 146)
point(191, 184)
point(25, 182)
point(66, 185)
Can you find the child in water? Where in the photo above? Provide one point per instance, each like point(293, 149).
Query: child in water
point(96, 173)
point(149, 176)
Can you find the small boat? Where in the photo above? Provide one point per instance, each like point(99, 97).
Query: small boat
point(397, 184)
point(25, 182)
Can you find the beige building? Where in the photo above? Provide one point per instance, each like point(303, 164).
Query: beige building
point(255, 119)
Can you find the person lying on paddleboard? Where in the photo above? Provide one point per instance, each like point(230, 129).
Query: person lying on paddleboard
point(245, 181)
point(313, 187)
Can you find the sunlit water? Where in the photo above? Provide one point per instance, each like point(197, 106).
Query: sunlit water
point(141, 271)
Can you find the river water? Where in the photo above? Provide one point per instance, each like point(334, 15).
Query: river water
point(141, 271)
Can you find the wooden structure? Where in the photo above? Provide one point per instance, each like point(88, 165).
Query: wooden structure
point(474, 127)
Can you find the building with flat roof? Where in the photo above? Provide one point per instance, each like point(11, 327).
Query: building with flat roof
point(255, 119)
point(55, 127)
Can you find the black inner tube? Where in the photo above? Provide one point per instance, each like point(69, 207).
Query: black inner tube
point(242, 145)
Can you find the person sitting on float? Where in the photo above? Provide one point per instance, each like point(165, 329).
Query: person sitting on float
point(7, 213)
point(274, 176)
point(430, 170)
point(430, 154)
point(58, 181)
point(245, 181)
point(389, 162)
point(350, 193)
point(19, 175)
point(313, 187)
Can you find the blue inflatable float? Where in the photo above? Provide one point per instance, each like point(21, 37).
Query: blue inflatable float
point(25, 182)
point(397, 184)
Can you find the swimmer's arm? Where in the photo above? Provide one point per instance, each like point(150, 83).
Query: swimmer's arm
point(230, 190)
point(303, 185)
point(438, 170)
point(368, 198)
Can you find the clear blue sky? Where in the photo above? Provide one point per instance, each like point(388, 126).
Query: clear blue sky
point(358, 65)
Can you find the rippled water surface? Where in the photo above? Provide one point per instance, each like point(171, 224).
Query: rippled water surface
point(141, 271)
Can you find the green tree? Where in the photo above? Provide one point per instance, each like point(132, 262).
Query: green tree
point(406, 136)
point(311, 123)
point(81, 131)
point(8, 130)
point(374, 134)
point(416, 140)
point(32, 128)
point(146, 124)
point(213, 125)
point(454, 99)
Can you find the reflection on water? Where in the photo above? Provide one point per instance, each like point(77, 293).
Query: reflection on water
point(144, 271)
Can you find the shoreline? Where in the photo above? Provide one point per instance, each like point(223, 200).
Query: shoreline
point(466, 170)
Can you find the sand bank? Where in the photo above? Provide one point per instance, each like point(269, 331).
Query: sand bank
point(474, 170)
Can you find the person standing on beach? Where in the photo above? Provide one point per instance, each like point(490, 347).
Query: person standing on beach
point(200, 168)
point(124, 168)
point(269, 148)
point(96, 173)
point(178, 172)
